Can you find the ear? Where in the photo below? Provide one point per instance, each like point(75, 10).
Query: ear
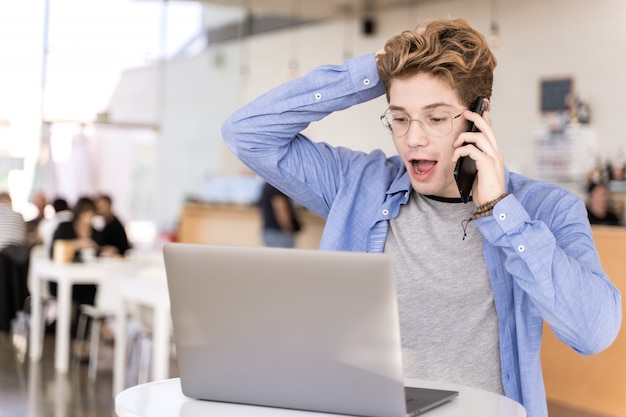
point(487, 104)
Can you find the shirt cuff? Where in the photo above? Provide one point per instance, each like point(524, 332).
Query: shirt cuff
point(364, 74)
point(508, 217)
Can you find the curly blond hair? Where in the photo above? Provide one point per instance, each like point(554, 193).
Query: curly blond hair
point(449, 49)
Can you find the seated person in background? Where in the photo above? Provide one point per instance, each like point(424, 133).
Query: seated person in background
point(14, 255)
point(279, 218)
point(599, 205)
point(12, 224)
point(113, 234)
point(84, 237)
point(47, 227)
point(32, 226)
point(79, 229)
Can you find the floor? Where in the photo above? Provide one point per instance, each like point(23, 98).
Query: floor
point(36, 390)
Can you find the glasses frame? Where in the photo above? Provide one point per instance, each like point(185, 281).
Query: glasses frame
point(427, 129)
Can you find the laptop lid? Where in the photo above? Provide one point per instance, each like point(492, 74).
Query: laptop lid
point(290, 328)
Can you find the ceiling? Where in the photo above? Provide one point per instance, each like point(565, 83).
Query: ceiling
point(316, 9)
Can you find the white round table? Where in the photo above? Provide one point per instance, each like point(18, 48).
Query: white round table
point(165, 398)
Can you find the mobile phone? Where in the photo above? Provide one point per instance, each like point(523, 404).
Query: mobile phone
point(465, 169)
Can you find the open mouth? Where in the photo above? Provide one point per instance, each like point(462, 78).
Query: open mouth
point(422, 166)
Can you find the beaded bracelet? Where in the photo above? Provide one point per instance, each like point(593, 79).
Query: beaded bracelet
point(481, 211)
point(486, 209)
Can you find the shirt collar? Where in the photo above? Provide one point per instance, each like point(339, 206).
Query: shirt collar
point(401, 183)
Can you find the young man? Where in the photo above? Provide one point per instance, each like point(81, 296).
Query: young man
point(471, 308)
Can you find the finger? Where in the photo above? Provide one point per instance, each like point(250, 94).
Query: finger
point(476, 147)
point(487, 117)
point(474, 138)
point(483, 123)
point(470, 150)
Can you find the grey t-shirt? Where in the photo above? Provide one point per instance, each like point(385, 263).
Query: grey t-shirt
point(447, 313)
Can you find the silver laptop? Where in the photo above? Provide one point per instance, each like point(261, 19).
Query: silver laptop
point(290, 328)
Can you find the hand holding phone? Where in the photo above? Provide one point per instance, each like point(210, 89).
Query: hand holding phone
point(465, 169)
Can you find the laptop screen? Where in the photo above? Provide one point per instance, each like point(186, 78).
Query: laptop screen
point(291, 328)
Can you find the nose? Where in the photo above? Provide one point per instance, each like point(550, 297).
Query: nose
point(415, 136)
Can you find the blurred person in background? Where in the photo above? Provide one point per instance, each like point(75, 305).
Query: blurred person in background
point(12, 224)
point(14, 257)
point(79, 229)
point(84, 237)
point(598, 205)
point(47, 227)
point(40, 201)
point(113, 233)
point(280, 222)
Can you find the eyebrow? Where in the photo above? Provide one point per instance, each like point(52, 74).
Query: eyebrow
point(427, 107)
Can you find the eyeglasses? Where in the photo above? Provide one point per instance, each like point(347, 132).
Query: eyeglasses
point(434, 124)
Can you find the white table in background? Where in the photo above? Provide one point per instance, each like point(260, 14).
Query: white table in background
point(164, 398)
point(152, 293)
point(65, 275)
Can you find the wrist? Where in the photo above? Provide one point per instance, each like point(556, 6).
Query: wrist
point(486, 209)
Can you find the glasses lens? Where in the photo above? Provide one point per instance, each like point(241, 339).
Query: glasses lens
point(433, 124)
point(437, 124)
point(396, 123)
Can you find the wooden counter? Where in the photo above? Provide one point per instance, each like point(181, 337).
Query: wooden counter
point(595, 383)
point(239, 225)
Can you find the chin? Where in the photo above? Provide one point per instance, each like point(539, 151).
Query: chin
point(424, 189)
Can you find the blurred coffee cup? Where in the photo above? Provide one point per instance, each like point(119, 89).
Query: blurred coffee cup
point(63, 251)
point(88, 254)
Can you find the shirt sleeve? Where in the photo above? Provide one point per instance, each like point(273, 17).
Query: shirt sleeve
point(265, 134)
point(555, 262)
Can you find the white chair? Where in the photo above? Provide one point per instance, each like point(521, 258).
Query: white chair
point(37, 251)
point(106, 304)
point(144, 265)
point(139, 353)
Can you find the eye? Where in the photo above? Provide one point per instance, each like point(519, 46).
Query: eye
point(437, 119)
point(398, 118)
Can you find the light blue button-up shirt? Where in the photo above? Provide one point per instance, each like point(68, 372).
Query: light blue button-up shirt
point(538, 246)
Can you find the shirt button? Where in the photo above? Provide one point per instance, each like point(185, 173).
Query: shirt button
point(502, 216)
point(521, 248)
point(318, 96)
point(366, 81)
point(385, 212)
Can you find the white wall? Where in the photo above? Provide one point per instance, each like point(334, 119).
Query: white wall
point(539, 39)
